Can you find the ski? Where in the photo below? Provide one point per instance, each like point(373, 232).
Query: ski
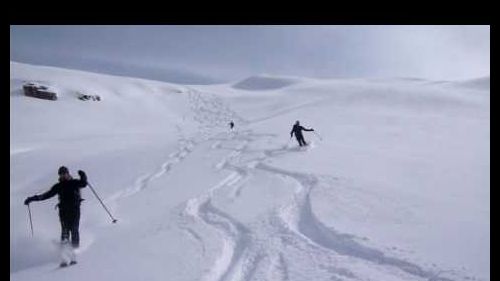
point(65, 264)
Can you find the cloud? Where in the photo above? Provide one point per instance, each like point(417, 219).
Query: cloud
point(234, 52)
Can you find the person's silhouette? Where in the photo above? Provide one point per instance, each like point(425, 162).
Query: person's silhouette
point(297, 130)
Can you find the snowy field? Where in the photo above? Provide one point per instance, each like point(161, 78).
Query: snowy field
point(395, 184)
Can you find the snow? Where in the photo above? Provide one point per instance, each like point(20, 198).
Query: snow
point(478, 83)
point(266, 82)
point(393, 186)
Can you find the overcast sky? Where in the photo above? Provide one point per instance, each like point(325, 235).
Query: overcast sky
point(205, 54)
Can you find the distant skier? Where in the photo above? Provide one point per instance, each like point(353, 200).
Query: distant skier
point(297, 129)
point(231, 125)
point(68, 190)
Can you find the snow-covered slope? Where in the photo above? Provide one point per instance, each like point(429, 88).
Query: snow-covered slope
point(266, 82)
point(393, 186)
point(479, 83)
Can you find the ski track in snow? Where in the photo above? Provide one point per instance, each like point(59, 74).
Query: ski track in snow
point(265, 249)
point(141, 183)
point(290, 242)
point(186, 146)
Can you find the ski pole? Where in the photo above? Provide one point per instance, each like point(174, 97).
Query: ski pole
point(288, 142)
point(97, 196)
point(320, 138)
point(31, 223)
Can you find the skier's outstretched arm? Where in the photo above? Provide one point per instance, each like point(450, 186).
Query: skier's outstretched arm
point(43, 196)
point(304, 129)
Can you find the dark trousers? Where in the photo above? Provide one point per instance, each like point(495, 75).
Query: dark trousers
point(300, 139)
point(70, 222)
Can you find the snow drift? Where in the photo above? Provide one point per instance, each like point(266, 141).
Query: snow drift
point(265, 82)
point(479, 83)
point(393, 186)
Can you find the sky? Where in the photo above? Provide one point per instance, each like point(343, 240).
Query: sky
point(215, 54)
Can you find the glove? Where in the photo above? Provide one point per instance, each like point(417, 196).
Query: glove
point(81, 173)
point(29, 199)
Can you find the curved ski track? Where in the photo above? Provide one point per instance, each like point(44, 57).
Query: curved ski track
point(290, 242)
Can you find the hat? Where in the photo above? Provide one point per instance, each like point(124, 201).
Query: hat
point(62, 170)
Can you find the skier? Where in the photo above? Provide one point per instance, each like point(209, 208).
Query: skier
point(231, 124)
point(297, 129)
point(68, 190)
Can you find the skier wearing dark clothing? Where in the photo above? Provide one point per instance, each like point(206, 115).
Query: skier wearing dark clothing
point(231, 124)
point(68, 190)
point(297, 130)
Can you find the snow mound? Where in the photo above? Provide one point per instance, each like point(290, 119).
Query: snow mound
point(400, 164)
point(265, 82)
point(479, 83)
point(70, 83)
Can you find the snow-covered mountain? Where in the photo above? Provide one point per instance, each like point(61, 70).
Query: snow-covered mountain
point(393, 186)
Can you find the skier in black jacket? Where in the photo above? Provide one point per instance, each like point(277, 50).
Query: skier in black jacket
point(68, 190)
point(297, 129)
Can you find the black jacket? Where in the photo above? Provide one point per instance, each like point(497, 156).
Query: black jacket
point(68, 191)
point(297, 129)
